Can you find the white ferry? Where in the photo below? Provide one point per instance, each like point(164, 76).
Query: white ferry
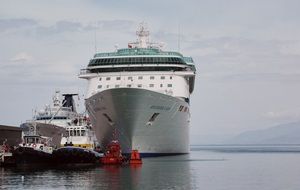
point(143, 93)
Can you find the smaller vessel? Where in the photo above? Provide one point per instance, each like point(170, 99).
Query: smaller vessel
point(35, 149)
point(78, 144)
point(53, 119)
point(113, 154)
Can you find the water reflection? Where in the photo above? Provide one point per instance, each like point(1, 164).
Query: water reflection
point(155, 173)
point(199, 170)
point(117, 177)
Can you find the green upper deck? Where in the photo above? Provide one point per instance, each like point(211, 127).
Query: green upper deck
point(138, 52)
point(141, 55)
point(135, 56)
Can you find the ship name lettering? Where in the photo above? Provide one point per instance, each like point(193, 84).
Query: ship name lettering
point(160, 107)
point(99, 109)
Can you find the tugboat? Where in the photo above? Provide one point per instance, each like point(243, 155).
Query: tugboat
point(79, 144)
point(113, 154)
point(34, 150)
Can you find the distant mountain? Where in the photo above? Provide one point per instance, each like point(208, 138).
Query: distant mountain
point(281, 134)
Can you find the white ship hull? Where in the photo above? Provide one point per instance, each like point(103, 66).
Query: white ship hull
point(127, 111)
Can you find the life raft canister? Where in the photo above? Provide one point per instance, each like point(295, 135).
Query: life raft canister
point(135, 157)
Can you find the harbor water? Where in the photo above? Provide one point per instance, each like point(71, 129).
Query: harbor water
point(206, 167)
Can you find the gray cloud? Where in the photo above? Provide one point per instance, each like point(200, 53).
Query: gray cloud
point(8, 24)
point(287, 115)
point(21, 57)
point(260, 77)
point(62, 26)
point(116, 24)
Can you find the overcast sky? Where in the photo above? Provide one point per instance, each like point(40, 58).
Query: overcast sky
point(246, 54)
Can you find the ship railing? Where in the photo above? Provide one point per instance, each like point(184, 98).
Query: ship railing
point(30, 121)
point(84, 71)
point(138, 51)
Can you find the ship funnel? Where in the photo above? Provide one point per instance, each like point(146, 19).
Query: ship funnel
point(69, 101)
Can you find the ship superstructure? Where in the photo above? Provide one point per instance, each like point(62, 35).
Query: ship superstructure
point(80, 134)
point(143, 93)
point(53, 119)
point(60, 113)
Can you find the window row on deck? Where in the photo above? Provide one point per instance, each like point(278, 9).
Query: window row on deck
point(121, 69)
point(133, 85)
point(137, 77)
point(137, 60)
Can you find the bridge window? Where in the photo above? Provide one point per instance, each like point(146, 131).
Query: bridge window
point(151, 77)
point(151, 85)
point(107, 78)
point(162, 77)
point(99, 86)
point(74, 132)
point(169, 85)
point(82, 132)
point(140, 77)
point(140, 85)
point(118, 78)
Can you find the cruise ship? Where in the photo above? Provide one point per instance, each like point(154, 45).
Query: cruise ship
point(140, 95)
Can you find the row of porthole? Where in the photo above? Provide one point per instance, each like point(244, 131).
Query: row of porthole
point(183, 109)
point(139, 86)
point(139, 77)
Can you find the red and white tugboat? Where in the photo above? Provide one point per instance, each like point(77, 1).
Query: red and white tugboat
point(113, 154)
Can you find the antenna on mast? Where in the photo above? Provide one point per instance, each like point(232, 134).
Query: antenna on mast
point(178, 37)
point(143, 40)
point(95, 37)
point(143, 35)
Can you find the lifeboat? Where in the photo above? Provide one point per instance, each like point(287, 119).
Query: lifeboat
point(113, 154)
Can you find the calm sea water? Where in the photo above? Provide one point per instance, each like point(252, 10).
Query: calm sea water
point(206, 167)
